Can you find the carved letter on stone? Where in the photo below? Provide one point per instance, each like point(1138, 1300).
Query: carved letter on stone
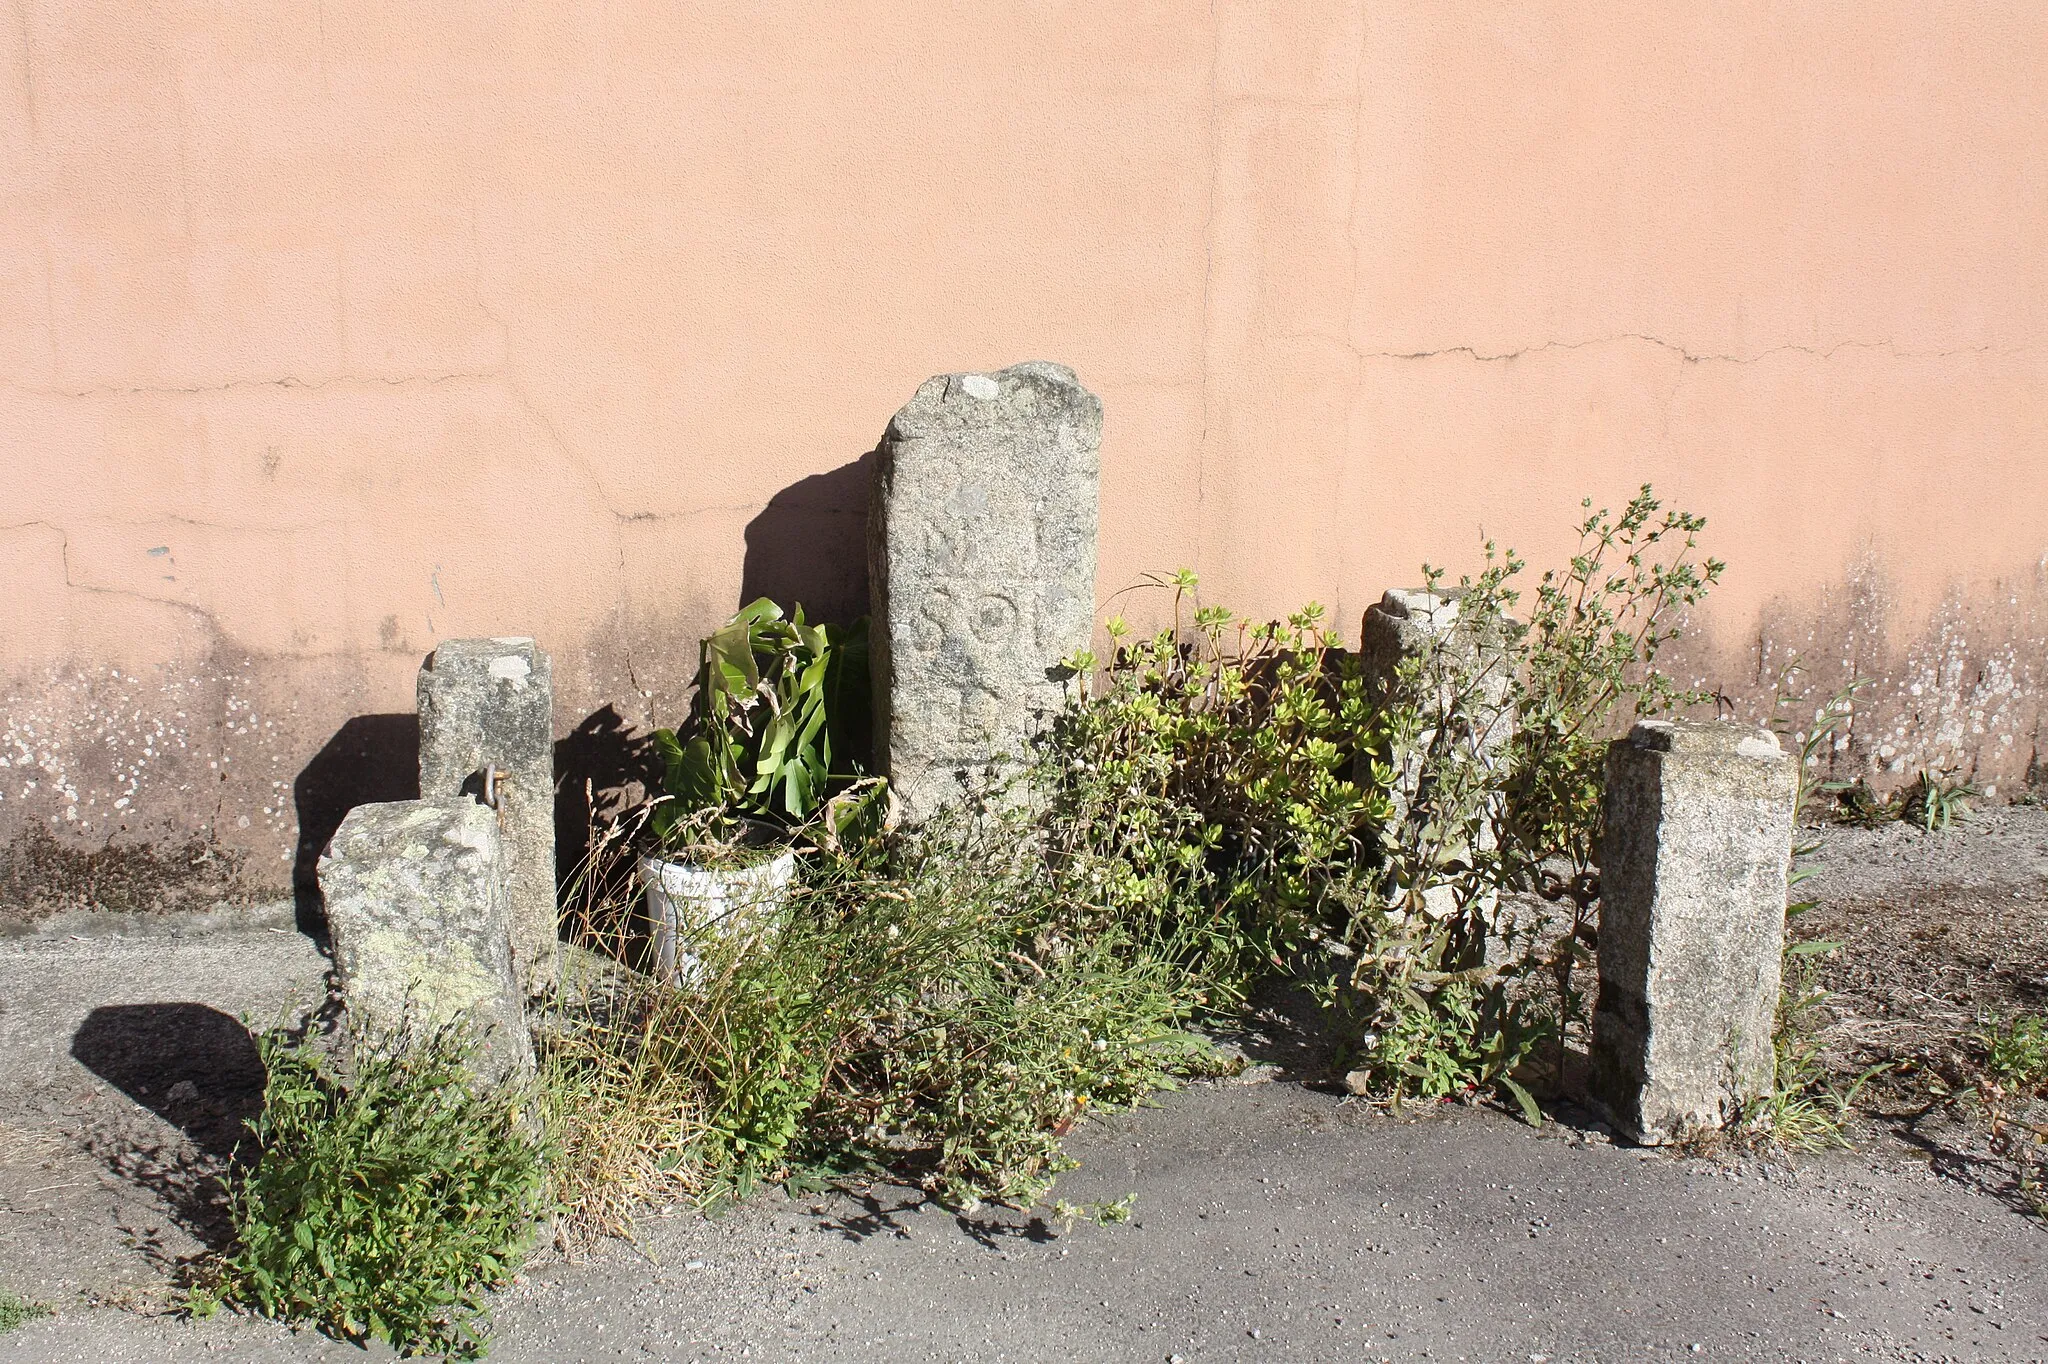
point(981, 552)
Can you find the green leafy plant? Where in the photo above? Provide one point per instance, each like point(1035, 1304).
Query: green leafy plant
point(775, 726)
point(944, 1008)
point(1433, 1033)
point(17, 1311)
point(1205, 786)
point(1493, 734)
point(2016, 1054)
point(382, 1205)
point(1936, 801)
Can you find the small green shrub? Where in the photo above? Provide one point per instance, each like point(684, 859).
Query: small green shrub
point(944, 1008)
point(779, 719)
point(1487, 810)
point(381, 1205)
point(1587, 657)
point(17, 1311)
point(1205, 789)
point(1463, 1039)
point(1936, 801)
point(2016, 1054)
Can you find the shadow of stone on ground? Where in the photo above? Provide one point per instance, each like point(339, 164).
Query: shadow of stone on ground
point(197, 1069)
point(1284, 1027)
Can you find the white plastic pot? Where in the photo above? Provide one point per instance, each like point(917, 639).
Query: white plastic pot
point(689, 906)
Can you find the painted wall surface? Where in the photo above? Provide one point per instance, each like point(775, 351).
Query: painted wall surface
point(330, 329)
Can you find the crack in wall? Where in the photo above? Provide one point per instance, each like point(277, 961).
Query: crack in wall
point(289, 381)
point(1687, 356)
point(1355, 252)
point(208, 619)
point(1208, 274)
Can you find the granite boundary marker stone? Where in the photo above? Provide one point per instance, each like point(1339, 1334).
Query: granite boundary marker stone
point(1405, 623)
point(418, 906)
point(491, 702)
point(981, 555)
point(1694, 872)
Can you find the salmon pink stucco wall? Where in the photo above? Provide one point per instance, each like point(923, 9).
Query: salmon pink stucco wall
point(331, 329)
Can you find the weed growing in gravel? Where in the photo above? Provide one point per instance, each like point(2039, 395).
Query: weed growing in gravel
point(381, 1205)
point(1803, 1111)
point(2016, 1055)
point(1935, 801)
point(17, 1311)
point(943, 1008)
point(2015, 1073)
point(1207, 788)
point(1222, 800)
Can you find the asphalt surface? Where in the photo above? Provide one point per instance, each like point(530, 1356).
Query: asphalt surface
point(1272, 1223)
point(1276, 1223)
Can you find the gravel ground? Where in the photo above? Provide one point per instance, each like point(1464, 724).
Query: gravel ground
point(1277, 1223)
point(1273, 1221)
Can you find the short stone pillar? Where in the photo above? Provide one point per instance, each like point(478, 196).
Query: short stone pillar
point(1693, 876)
point(489, 703)
point(981, 558)
point(419, 912)
point(1408, 623)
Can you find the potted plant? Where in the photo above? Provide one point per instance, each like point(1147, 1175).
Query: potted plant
point(767, 756)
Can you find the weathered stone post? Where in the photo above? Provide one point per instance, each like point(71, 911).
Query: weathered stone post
point(1693, 875)
point(981, 557)
point(418, 905)
point(1408, 623)
point(489, 703)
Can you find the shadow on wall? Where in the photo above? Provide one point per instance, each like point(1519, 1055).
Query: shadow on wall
point(603, 769)
point(371, 758)
point(810, 545)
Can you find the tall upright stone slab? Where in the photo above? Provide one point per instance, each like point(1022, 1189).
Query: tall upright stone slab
point(489, 704)
point(1693, 877)
point(981, 557)
point(1475, 681)
point(419, 910)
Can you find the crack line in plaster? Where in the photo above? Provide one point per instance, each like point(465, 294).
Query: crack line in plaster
point(1688, 357)
point(1356, 106)
point(1208, 270)
point(286, 381)
point(64, 555)
point(209, 619)
point(584, 466)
